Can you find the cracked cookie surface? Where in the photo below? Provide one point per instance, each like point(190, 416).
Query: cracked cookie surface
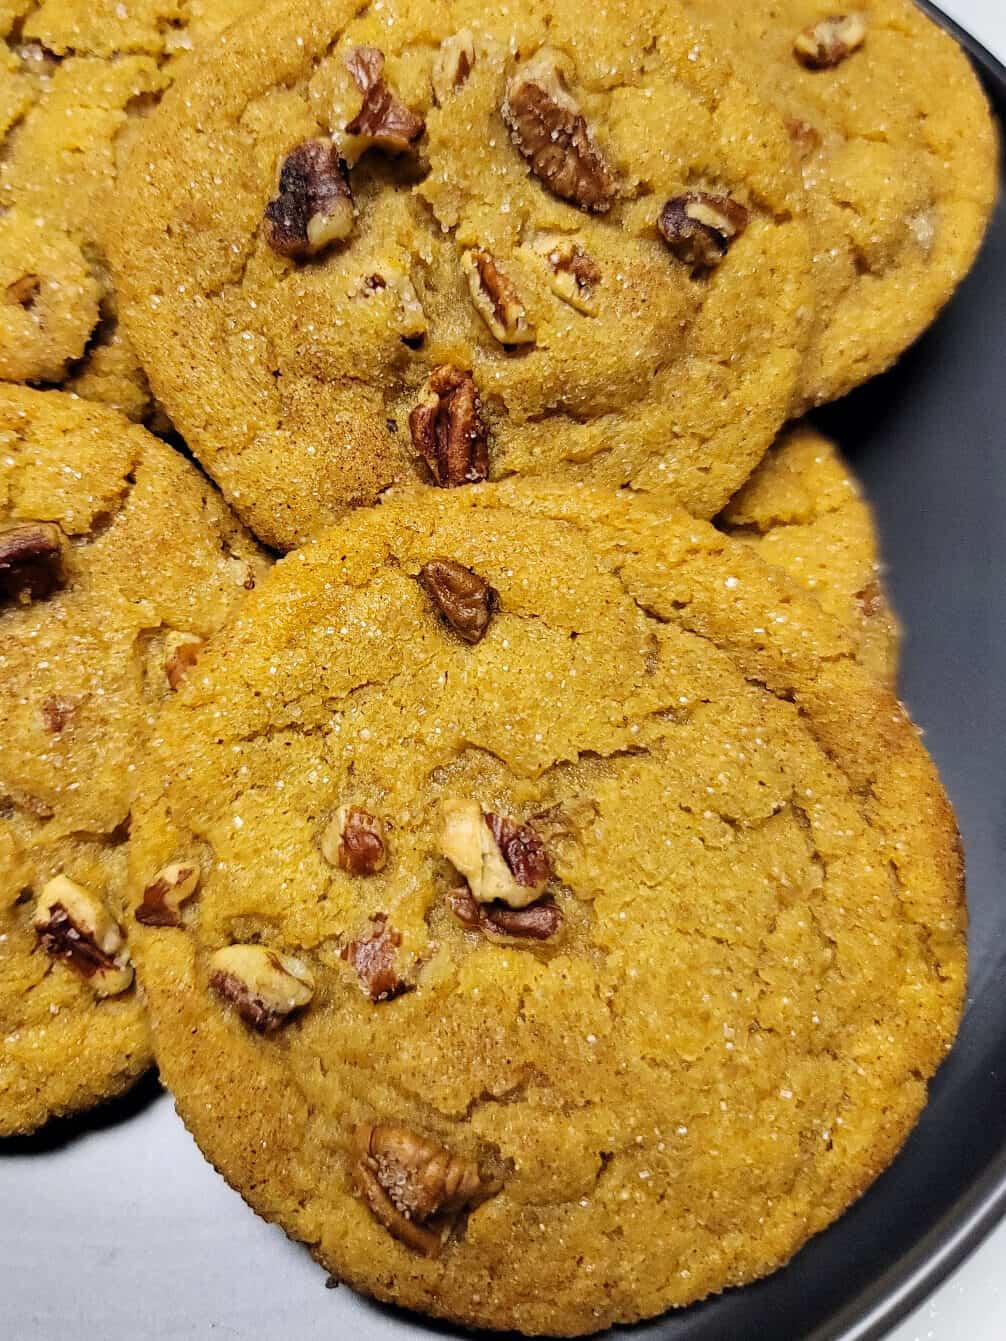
point(659, 946)
point(509, 175)
point(112, 551)
point(76, 78)
point(899, 156)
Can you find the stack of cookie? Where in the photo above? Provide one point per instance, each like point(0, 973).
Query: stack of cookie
point(529, 887)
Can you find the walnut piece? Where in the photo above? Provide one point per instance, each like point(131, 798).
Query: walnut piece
point(383, 121)
point(181, 652)
point(539, 921)
point(31, 561)
point(355, 842)
point(264, 986)
point(374, 958)
point(549, 129)
point(412, 1185)
point(496, 298)
point(463, 600)
point(447, 428)
point(162, 899)
point(314, 206)
point(74, 925)
point(829, 42)
point(572, 274)
point(502, 860)
point(699, 228)
point(452, 65)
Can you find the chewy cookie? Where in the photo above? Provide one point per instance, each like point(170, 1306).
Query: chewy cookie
point(899, 157)
point(76, 78)
point(116, 561)
point(430, 241)
point(577, 924)
point(802, 510)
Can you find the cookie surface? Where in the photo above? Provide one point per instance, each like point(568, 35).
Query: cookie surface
point(528, 296)
point(726, 948)
point(802, 509)
point(899, 157)
point(76, 77)
point(116, 559)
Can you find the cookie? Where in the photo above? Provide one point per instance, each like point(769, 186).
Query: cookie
point(75, 80)
point(803, 510)
point(899, 155)
point(577, 923)
point(116, 561)
point(430, 242)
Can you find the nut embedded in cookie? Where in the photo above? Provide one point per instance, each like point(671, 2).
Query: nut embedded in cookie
point(355, 841)
point(314, 206)
point(540, 921)
point(31, 561)
point(264, 986)
point(501, 860)
point(496, 298)
point(452, 65)
point(181, 652)
point(447, 428)
point(572, 273)
point(172, 886)
point(74, 925)
point(374, 957)
point(699, 228)
point(383, 121)
point(463, 600)
point(828, 43)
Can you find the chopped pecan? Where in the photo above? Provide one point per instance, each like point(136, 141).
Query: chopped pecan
point(315, 203)
point(264, 986)
point(181, 652)
point(699, 228)
point(74, 925)
point(374, 958)
point(452, 65)
point(464, 600)
point(501, 859)
point(871, 599)
point(163, 897)
point(573, 274)
point(539, 921)
point(31, 561)
point(829, 42)
point(551, 132)
point(412, 1186)
point(447, 428)
point(803, 135)
point(56, 712)
point(496, 298)
point(355, 842)
point(383, 120)
point(23, 292)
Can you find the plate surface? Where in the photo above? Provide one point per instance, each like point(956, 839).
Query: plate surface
point(114, 1225)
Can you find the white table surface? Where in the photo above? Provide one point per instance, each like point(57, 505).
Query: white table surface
point(100, 1272)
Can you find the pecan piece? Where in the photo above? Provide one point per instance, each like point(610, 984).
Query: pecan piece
point(804, 137)
point(31, 561)
point(74, 925)
point(447, 428)
point(871, 599)
point(264, 986)
point(463, 600)
point(573, 275)
point(181, 652)
point(549, 129)
point(56, 712)
point(452, 65)
point(501, 860)
point(374, 958)
point(537, 922)
point(496, 298)
point(163, 897)
point(830, 42)
point(355, 842)
point(383, 120)
point(315, 203)
point(699, 228)
point(411, 1185)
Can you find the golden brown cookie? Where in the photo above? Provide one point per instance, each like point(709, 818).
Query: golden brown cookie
point(803, 510)
point(577, 923)
point(899, 155)
point(76, 77)
point(439, 242)
point(117, 560)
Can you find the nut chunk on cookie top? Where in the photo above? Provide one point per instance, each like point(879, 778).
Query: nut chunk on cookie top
point(589, 870)
point(435, 251)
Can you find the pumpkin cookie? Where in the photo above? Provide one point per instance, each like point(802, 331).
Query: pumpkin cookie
point(433, 242)
point(577, 924)
point(76, 78)
point(116, 561)
point(899, 155)
point(803, 510)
